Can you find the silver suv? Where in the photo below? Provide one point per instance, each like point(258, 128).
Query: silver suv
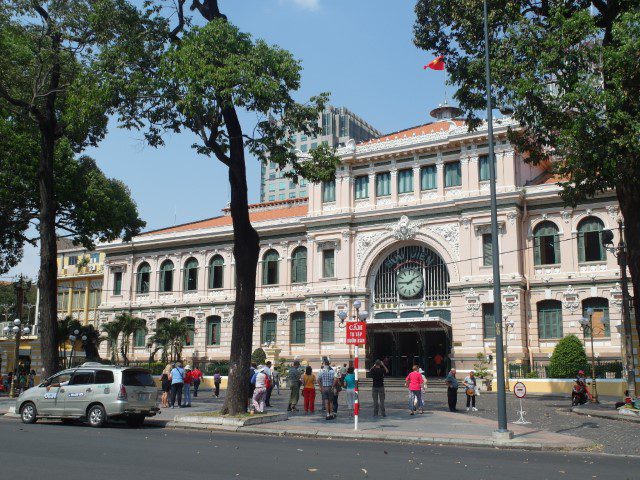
point(92, 392)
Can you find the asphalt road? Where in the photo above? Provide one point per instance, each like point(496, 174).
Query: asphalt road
point(55, 451)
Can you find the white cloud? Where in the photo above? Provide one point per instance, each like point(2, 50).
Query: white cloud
point(307, 4)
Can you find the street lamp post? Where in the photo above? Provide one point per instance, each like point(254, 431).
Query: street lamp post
point(587, 324)
point(361, 316)
point(495, 254)
point(508, 326)
point(16, 332)
point(72, 339)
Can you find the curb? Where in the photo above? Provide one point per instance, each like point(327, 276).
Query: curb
point(510, 445)
point(608, 416)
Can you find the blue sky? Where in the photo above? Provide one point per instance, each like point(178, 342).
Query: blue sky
point(360, 51)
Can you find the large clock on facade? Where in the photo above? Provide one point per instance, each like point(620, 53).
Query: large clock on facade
point(409, 282)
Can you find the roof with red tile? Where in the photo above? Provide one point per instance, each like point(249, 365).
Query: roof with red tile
point(262, 212)
point(547, 178)
point(425, 129)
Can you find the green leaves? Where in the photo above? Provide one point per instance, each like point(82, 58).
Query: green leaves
point(569, 73)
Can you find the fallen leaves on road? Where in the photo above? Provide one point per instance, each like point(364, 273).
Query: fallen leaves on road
point(312, 469)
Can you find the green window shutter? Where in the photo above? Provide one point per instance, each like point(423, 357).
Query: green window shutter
point(489, 322)
point(581, 255)
point(556, 248)
point(428, 178)
point(362, 187)
point(487, 250)
point(327, 326)
point(483, 166)
point(216, 272)
point(268, 328)
point(328, 263)
point(536, 251)
point(298, 327)
point(139, 338)
point(383, 184)
point(405, 181)
point(550, 319)
point(117, 283)
point(329, 191)
point(213, 330)
point(453, 174)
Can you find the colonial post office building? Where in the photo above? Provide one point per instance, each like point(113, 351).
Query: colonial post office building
point(404, 228)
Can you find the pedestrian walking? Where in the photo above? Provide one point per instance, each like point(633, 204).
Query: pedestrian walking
point(188, 381)
point(309, 390)
point(377, 373)
point(165, 385)
point(269, 372)
point(252, 383)
point(350, 389)
point(260, 390)
point(438, 360)
point(32, 378)
point(295, 381)
point(326, 379)
point(337, 388)
point(470, 383)
point(423, 398)
point(414, 383)
point(275, 374)
point(452, 390)
point(198, 376)
point(217, 379)
point(177, 383)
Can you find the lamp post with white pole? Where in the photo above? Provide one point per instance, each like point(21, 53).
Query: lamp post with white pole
point(16, 332)
point(587, 324)
point(362, 317)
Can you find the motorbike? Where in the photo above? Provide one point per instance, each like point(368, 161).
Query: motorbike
point(579, 394)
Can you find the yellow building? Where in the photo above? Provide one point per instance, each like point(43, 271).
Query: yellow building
point(79, 282)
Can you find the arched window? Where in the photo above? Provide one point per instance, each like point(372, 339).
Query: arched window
point(299, 265)
point(143, 280)
point(549, 319)
point(546, 244)
point(590, 248)
point(270, 262)
point(191, 275)
point(166, 276)
point(191, 328)
point(216, 271)
point(214, 324)
point(297, 327)
point(268, 328)
point(600, 316)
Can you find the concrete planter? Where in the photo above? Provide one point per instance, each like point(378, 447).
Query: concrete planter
point(203, 421)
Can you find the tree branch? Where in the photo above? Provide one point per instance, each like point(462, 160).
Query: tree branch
point(16, 102)
point(173, 35)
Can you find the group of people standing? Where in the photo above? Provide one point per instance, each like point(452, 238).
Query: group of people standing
point(264, 378)
point(470, 384)
point(177, 381)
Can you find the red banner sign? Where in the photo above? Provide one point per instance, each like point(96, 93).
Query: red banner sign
point(356, 333)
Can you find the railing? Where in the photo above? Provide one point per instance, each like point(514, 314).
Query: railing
point(538, 370)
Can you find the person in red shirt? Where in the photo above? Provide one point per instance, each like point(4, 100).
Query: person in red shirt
point(438, 359)
point(188, 381)
point(414, 382)
point(197, 378)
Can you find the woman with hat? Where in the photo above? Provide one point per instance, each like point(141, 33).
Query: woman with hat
point(470, 384)
point(188, 381)
point(260, 391)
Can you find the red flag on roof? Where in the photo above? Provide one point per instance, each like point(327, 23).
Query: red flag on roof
point(437, 64)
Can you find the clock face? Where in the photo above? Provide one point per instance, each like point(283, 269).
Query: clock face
point(409, 282)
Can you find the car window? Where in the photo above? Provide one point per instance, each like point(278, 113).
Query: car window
point(82, 378)
point(60, 378)
point(137, 378)
point(104, 376)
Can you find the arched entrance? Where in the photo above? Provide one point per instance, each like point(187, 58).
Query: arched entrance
point(410, 319)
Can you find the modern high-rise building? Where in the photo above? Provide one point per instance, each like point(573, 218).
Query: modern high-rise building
point(339, 125)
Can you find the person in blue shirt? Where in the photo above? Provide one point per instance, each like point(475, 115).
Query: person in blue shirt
point(177, 382)
point(452, 390)
point(350, 389)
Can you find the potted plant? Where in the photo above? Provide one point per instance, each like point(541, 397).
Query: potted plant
point(483, 372)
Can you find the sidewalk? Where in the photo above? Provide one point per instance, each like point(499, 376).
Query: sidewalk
point(433, 427)
point(603, 410)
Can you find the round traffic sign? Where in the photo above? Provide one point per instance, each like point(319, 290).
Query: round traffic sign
point(519, 390)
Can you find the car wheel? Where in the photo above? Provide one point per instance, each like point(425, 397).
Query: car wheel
point(28, 413)
point(96, 416)
point(135, 421)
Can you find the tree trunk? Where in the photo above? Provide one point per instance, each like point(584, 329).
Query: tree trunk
point(47, 278)
point(629, 200)
point(245, 250)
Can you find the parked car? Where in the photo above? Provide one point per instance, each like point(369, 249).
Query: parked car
point(92, 392)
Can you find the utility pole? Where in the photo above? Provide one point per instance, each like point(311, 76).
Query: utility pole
point(626, 315)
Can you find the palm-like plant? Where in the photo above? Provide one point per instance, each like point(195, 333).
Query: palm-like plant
point(128, 326)
point(172, 336)
point(66, 327)
point(112, 332)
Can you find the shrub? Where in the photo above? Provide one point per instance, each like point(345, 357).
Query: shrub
point(258, 356)
point(568, 357)
point(221, 366)
point(531, 374)
point(481, 369)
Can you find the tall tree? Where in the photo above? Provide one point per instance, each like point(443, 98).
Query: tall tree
point(112, 331)
point(57, 64)
point(129, 325)
point(200, 83)
point(571, 72)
